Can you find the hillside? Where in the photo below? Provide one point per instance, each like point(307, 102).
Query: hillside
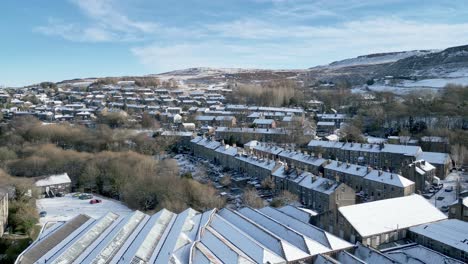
point(418, 68)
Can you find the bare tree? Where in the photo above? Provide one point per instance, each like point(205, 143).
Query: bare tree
point(225, 180)
point(458, 152)
point(251, 198)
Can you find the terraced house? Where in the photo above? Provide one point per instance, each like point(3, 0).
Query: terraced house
point(369, 184)
point(382, 156)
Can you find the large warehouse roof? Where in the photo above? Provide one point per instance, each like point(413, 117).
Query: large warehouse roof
point(215, 236)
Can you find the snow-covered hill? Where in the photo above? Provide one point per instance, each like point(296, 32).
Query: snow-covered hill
point(378, 58)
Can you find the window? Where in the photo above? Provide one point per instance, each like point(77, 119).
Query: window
point(464, 256)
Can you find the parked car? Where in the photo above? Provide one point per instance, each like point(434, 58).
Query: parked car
point(440, 198)
point(444, 208)
point(449, 189)
point(95, 201)
point(427, 195)
point(86, 196)
point(42, 214)
point(60, 194)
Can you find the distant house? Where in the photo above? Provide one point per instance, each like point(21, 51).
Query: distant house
point(51, 185)
point(441, 161)
point(325, 128)
point(264, 123)
point(435, 144)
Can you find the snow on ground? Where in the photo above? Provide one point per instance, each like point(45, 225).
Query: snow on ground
point(65, 208)
point(436, 83)
point(450, 182)
point(398, 89)
point(189, 164)
point(375, 140)
point(378, 58)
point(462, 72)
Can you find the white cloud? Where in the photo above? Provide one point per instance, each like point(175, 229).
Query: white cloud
point(105, 13)
point(276, 37)
point(260, 44)
point(74, 32)
point(106, 24)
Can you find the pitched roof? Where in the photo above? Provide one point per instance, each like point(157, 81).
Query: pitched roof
point(225, 236)
point(376, 218)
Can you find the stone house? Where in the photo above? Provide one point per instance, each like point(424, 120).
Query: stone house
point(421, 172)
point(243, 135)
point(264, 123)
point(303, 161)
point(459, 209)
point(435, 144)
point(268, 150)
point(441, 161)
point(256, 167)
point(226, 156)
point(321, 195)
point(384, 156)
point(204, 148)
point(384, 221)
point(51, 185)
point(369, 184)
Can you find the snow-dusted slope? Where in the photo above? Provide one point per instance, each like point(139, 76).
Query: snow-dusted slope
point(378, 58)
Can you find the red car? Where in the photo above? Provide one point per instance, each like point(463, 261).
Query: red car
point(95, 201)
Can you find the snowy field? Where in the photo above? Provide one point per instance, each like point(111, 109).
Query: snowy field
point(64, 208)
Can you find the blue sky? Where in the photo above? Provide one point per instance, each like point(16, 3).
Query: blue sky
point(63, 39)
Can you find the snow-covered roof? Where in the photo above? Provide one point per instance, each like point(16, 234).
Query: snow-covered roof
point(263, 121)
point(325, 144)
point(319, 184)
point(325, 123)
point(378, 217)
point(435, 157)
point(388, 178)
point(225, 236)
point(252, 130)
point(302, 214)
point(417, 254)
point(227, 150)
point(407, 150)
point(451, 232)
point(258, 162)
point(53, 180)
point(302, 158)
point(347, 168)
point(264, 147)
